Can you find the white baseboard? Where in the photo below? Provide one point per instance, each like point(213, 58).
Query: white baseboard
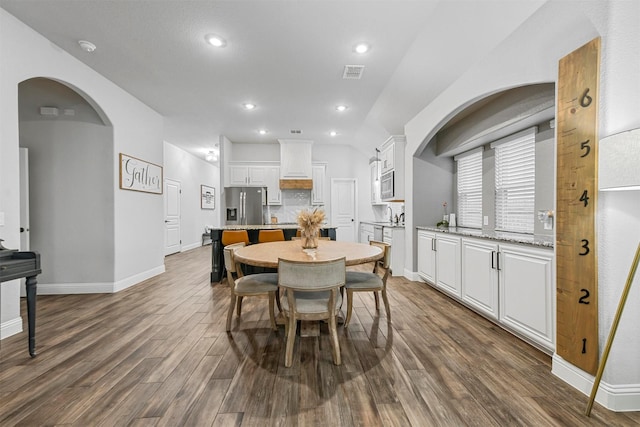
point(10, 327)
point(412, 275)
point(135, 279)
point(191, 246)
point(97, 288)
point(615, 397)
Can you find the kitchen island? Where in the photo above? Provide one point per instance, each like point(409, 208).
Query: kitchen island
point(217, 255)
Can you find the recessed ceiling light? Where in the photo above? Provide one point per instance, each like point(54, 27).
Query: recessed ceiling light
point(341, 108)
point(333, 133)
point(361, 48)
point(249, 106)
point(263, 131)
point(87, 46)
point(215, 40)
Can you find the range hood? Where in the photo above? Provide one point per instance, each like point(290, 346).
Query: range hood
point(295, 164)
point(296, 184)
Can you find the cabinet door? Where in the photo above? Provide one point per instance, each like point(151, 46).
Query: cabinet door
point(375, 182)
point(527, 293)
point(448, 264)
point(317, 193)
point(272, 177)
point(426, 256)
point(480, 276)
point(387, 158)
point(257, 176)
point(238, 175)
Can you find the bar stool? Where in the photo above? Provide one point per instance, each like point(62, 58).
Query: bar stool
point(229, 237)
point(270, 236)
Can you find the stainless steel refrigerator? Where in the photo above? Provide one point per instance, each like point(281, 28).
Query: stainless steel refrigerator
point(245, 205)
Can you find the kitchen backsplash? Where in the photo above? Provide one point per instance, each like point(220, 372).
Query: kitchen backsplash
point(293, 201)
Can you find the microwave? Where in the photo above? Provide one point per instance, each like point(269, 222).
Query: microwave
point(387, 189)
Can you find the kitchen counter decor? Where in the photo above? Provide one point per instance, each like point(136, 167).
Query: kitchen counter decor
point(310, 223)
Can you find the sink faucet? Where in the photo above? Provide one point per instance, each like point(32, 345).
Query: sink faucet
point(390, 213)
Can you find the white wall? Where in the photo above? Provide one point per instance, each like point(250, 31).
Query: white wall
point(137, 131)
point(192, 172)
point(556, 29)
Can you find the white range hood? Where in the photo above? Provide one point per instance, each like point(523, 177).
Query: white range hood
point(295, 164)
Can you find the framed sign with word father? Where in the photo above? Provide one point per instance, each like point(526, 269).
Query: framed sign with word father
point(138, 175)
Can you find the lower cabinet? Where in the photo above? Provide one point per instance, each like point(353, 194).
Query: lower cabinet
point(480, 276)
point(527, 295)
point(395, 237)
point(510, 284)
point(427, 256)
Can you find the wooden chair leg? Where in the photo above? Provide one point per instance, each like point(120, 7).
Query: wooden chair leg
point(278, 301)
point(272, 317)
point(291, 338)
point(333, 330)
point(386, 304)
point(230, 311)
point(377, 298)
point(349, 307)
point(239, 305)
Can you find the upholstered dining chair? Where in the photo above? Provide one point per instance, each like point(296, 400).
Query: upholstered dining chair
point(360, 281)
point(230, 237)
point(311, 291)
point(270, 236)
point(251, 285)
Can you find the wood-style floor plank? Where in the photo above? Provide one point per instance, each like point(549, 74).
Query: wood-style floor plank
point(158, 354)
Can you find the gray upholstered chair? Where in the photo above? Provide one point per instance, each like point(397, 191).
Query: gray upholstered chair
point(311, 291)
point(251, 285)
point(360, 281)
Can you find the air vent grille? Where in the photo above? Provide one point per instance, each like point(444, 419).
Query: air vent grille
point(295, 131)
point(353, 72)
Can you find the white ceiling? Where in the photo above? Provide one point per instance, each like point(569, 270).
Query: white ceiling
point(286, 56)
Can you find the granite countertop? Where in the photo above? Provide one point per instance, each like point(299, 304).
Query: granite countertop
point(527, 239)
point(280, 226)
point(385, 224)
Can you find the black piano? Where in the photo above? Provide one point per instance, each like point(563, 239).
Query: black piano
point(15, 264)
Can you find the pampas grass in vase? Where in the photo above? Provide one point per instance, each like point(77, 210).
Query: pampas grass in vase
point(310, 222)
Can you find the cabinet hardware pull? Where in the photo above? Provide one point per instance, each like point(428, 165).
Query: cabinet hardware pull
point(492, 261)
point(498, 261)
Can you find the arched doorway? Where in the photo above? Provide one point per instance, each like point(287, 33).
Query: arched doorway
point(71, 201)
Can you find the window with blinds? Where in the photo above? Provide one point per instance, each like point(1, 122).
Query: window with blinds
point(469, 190)
point(515, 182)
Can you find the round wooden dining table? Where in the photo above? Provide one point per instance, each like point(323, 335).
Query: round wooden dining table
point(267, 254)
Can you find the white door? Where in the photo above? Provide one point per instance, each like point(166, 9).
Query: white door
point(172, 194)
point(24, 199)
point(343, 208)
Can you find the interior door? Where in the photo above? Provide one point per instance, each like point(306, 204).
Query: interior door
point(344, 209)
point(172, 193)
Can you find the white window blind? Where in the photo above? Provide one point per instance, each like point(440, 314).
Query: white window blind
point(469, 194)
point(515, 182)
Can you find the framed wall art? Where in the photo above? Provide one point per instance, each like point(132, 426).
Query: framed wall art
point(207, 197)
point(139, 175)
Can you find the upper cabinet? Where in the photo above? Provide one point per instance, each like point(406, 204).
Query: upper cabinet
point(272, 178)
point(258, 174)
point(318, 191)
point(375, 182)
point(295, 159)
point(392, 168)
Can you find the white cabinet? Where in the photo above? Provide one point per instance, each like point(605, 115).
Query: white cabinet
point(375, 182)
point(318, 173)
point(392, 160)
point(439, 261)
point(272, 182)
point(295, 159)
point(480, 276)
point(254, 176)
point(366, 232)
point(447, 250)
point(527, 294)
point(427, 256)
point(395, 237)
point(387, 158)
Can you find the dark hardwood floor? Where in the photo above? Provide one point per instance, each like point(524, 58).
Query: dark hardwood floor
point(157, 354)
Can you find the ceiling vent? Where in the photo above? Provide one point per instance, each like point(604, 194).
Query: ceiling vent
point(353, 72)
point(295, 131)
